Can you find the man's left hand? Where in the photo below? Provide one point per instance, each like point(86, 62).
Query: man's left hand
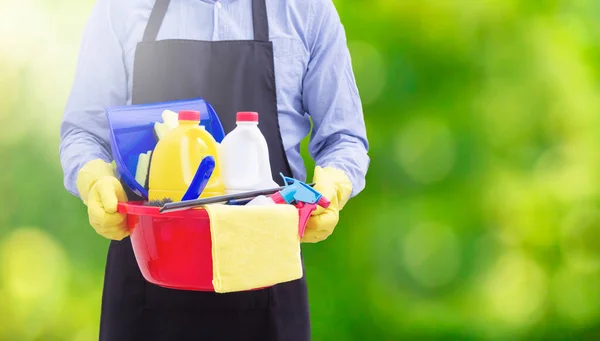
point(334, 185)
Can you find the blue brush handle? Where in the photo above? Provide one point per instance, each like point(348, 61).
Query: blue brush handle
point(203, 174)
point(239, 202)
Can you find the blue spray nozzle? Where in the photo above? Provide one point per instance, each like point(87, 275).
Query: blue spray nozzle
point(297, 191)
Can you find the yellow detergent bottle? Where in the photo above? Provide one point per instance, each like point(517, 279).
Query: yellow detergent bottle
point(177, 156)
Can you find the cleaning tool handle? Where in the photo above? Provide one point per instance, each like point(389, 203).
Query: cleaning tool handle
point(203, 174)
point(239, 202)
point(278, 198)
point(304, 211)
point(323, 202)
point(185, 205)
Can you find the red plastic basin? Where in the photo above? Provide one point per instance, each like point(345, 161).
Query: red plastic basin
point(173, 250)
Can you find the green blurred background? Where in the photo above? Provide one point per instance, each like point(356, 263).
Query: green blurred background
point(481, 216)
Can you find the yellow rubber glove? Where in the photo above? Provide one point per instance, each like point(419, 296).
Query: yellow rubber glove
point(101, 191)
point(334, 185)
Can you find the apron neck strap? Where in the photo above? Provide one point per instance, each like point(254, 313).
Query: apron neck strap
point(259, 20)
point(155, 21)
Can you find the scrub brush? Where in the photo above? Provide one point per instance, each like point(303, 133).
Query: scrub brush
point(158, 202)
point(170, 122)
point(160, 130)
point(143, 166)
point(171, 119)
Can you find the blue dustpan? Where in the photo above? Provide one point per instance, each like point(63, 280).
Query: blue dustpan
point(132, 133)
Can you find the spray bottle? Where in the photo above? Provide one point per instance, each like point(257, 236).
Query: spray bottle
point(299, 194)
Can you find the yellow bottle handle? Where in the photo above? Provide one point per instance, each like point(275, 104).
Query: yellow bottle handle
point(193, 134)
point(209, 142)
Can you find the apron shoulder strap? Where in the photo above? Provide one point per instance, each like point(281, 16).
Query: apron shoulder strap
point(259, 20)
point(155, 21)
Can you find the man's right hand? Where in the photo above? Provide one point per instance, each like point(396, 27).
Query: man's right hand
point(101, 191)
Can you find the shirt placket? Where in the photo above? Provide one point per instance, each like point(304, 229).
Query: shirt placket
point(217, 8)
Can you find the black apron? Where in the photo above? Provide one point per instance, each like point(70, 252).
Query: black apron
point(232, 76)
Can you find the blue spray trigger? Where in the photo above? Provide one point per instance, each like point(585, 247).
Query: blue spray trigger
point(297, 191)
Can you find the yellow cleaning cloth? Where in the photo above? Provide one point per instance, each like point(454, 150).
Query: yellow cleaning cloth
point(254, 246)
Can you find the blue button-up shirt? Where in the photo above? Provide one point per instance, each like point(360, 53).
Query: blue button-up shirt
point(313, 72)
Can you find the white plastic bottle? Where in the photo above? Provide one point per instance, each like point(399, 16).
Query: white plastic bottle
point(261, 200)
point(245, 157)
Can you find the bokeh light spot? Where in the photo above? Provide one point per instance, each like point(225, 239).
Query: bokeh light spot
point(369, 70)
point(521, 210)
point(13, 128)
point(431, 253)
point(514, 291)
point(570, 169)
point(506, 119)
point(33, 265)
point(426, 150)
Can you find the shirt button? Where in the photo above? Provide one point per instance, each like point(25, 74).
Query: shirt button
point(218, 4)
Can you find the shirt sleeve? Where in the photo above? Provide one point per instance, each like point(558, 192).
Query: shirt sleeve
point(330, 97)
point(100, 82)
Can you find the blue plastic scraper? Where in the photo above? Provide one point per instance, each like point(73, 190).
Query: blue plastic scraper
point(203, 174)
